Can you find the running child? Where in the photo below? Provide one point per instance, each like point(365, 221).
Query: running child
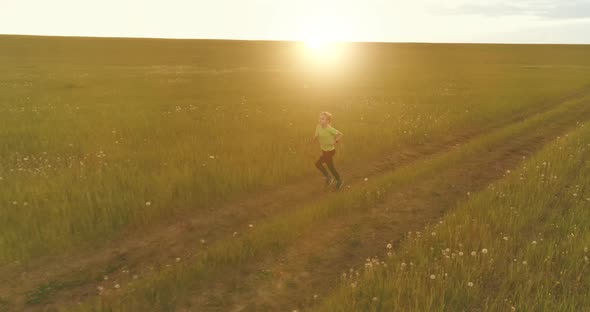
point(328, 137)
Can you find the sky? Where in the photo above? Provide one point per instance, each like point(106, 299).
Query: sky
point(516, 21)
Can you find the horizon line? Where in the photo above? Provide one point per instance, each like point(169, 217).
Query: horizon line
point(286, 40)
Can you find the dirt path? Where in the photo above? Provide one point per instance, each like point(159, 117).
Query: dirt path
point(312, 266)
point(73, 278)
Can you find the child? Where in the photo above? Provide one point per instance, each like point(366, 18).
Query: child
point(327, 137)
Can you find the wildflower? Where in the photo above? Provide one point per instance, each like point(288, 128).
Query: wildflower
point(375, 299)
point(366, 179)
point(106, 278)
point(315, 296)
point(534, 242)
point(432, 276)
point(513, 308)
point(148, 203)
point(235, 233)
point(389, 246)
point(390, 254)
point(473, 253)
point(117, 286)
point(100, 288)
point(585, 249)
point(403, 265)
point(524, 262)
point(505, 238)
point(470, 284)
point(211, 156)
point(177, 259)
point(433, 233)
point(484, 251)
point(460, 253)
point(202, 241)
point(250, 225)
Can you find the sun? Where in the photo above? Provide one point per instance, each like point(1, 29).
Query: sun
point(322, 37)
point(316, 43)
point(321, 50)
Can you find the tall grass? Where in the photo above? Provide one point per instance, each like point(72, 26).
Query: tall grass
point(166, 290)
point(98, 136)
point(520, 245)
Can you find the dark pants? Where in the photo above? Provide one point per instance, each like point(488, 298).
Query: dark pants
point(327, 159)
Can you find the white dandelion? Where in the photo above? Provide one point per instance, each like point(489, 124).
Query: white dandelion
point(470, 284)
point(432, 276)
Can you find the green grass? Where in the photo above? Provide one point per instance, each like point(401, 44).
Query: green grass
point(528, 234)
point(167, 289)
point(93, 129)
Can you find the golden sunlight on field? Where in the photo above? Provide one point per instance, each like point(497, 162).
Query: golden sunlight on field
point(323, 51)
point(323, 39)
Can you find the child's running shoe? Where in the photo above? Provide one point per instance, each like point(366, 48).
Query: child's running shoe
point(329, 181)
point(338, 184)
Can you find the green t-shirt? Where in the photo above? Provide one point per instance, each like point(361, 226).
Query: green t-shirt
point(326, 137)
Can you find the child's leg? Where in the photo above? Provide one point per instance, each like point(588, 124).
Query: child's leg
point(320, 166)
point(330, 164)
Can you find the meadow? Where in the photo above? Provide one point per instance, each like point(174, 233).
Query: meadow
point(104, 139)
point(530, 252)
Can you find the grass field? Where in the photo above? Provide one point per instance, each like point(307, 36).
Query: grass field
point(520, 245)
point(105, 142)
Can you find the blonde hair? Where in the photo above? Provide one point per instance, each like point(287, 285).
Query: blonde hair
point(327, 115)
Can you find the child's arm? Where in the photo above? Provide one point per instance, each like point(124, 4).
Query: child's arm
point(338, 137)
